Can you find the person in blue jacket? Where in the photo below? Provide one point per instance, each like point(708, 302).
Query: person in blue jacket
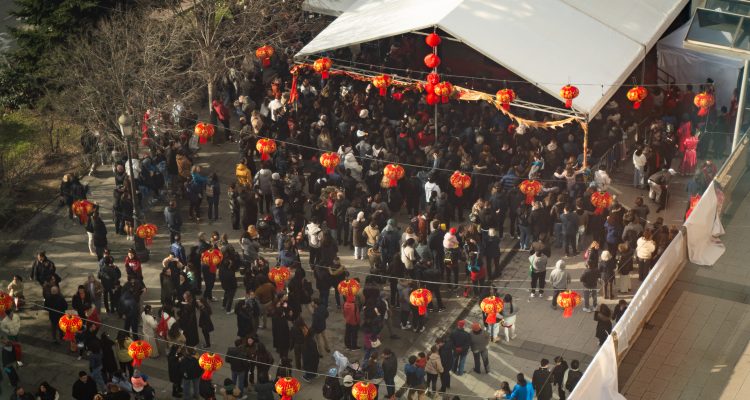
point(522, 391)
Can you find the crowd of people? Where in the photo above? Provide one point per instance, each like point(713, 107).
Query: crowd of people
point(418, 233)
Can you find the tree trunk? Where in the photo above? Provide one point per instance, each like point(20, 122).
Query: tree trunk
point(210, 86)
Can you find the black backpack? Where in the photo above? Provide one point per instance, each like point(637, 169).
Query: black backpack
point(573, 378)
point(331, 390)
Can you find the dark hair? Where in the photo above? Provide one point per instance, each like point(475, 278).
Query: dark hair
point(574, 364)
point(520, 379)
point(412, 359)
point(544, 362)
point(508, 299)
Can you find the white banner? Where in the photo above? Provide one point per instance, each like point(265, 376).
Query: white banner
point(704, 228)
point(645, 299)
point(600, 379)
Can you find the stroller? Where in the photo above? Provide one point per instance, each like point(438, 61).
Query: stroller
point(266, 231)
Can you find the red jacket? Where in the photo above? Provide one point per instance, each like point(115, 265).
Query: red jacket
point(351, 313)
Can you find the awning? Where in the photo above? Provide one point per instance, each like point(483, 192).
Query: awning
point(594, 45)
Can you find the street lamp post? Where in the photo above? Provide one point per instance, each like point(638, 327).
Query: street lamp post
point(126, 129)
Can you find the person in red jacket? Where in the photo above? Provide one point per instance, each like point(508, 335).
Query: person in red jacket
point(351, 317)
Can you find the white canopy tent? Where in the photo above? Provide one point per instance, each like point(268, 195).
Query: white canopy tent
point(687, 65)
point(327, 7)
point(592, 44)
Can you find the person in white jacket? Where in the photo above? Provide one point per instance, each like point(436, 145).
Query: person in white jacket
point(639, 163)
point(149, 329)
point(602, 179)
point(351, 164)
point(9, 328)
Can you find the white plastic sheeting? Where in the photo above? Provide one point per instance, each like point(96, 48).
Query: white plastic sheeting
point(600, 379)
point(649, 293)
point(704, 229)
point(327, 7)
point(592, 44)
point(687, 65)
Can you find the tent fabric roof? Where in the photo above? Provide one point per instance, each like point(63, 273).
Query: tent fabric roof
point(327, 7)
point(546, 42)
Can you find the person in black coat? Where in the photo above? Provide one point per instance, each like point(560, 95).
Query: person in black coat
point(204, 320)
point(445, 349)
point(542, 381)
point(80, 300)
point(228, 283)
point(539, 221)
point(188, 321)
point(280, 329)
point(310, 355)
point(84, 388)
point(558, 376)
point(603, 318)
point(109, 362)
point(173, 370)
point(56, 305)
point(100, 235)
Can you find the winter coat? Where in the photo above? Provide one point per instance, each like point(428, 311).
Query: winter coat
point(281, 334)
point(9, 326)
point(479, 341)
point(538, 263)
point(559, 278)
point(434, 366)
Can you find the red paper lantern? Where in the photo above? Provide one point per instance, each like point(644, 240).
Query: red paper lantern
point(70, 325)
point(431, 99)
point(491, 306)
point(322, 65)
point(394, 173)
point(349, 289)
point(530, 188)
point(146, 232)
point(704, 101)
point(279, 275)
point(433, 40)
point(636, 95)
point(568, 300)
point(433, 78)
point(212, 258)
point(569, 93)
point(382, 82)
point(204, 132)
point(82, 209)
point(287, 387)
point(460, 181)
point(397, 96)
point(444, 91)
point(330, 161)
point(364, 391)
point(420, 298)
point(431, 61)
point(139, 350)
point(505, 97)
point(6, 302)
point(601, 200)
point(264, 53)
point(265, 147)
point(209, 363)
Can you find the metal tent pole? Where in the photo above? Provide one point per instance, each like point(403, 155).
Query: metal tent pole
point(740, 106)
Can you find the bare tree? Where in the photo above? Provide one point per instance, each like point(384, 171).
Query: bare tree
point(131, 62)
point(220, 34)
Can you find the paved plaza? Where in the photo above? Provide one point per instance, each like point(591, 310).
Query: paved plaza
point(542, 332)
